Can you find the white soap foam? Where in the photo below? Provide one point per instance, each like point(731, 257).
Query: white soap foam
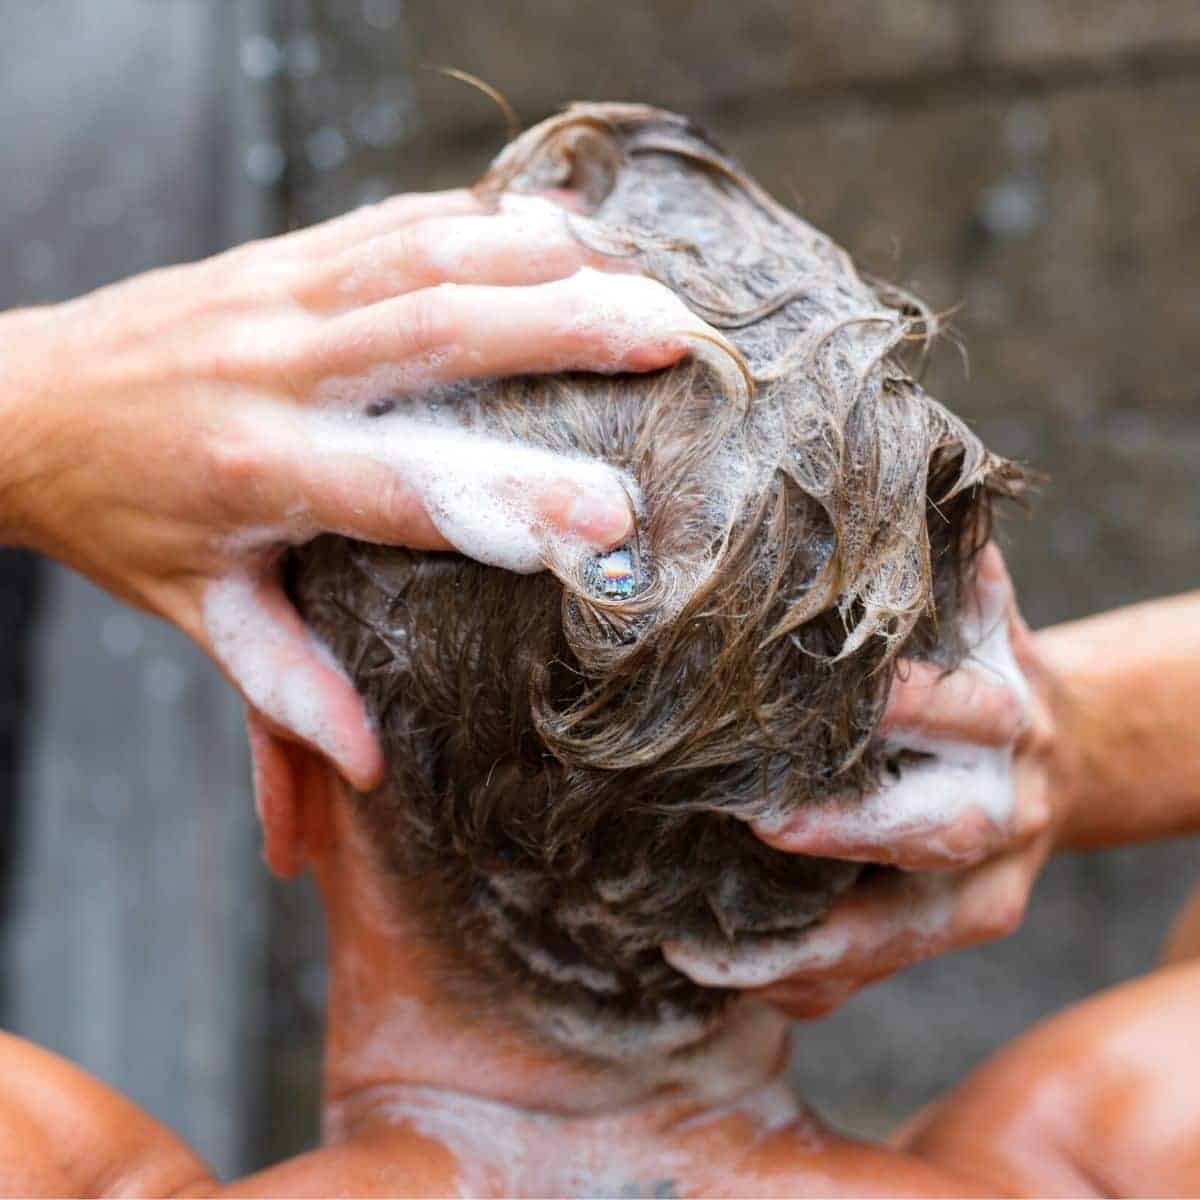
point(483, 494)
point(927, 801)
point(961, 776)
point(620, 316)
point(631, 1147)
point(932, 797)
point(924, 919)
point(248, 643)
point(465, 245)
point(354, 392)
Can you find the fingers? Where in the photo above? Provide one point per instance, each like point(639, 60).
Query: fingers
point(941, 813)
point(967, 704)
point(528, 242)
point(374, 220)
point(398, 480)
point(591, 321)
point(960, 800)
point(878, 928)
point(288, 677)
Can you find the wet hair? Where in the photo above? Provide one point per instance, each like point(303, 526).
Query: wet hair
point(573, 756)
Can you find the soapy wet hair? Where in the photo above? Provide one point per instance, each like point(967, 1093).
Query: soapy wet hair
point(571, 766)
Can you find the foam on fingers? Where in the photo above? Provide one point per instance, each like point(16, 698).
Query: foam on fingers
point(527, 242)
point(957, 803)
point(908, 921)
point(286, 674)
point(503, 503)
point(629, 322)
point(590, 321)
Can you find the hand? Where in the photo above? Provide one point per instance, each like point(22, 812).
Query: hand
point(968, 829)
point(170, 435)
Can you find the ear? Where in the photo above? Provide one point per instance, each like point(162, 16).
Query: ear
point(292, 796)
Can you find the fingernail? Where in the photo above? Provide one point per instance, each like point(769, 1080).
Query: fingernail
point(602, 517)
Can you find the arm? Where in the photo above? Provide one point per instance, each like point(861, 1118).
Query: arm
point(63, 1133)
point(170, 436)
point(1131, 721)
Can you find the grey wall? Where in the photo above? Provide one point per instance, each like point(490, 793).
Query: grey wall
point(135, 940)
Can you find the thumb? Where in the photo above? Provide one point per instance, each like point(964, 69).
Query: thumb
point(288, 677)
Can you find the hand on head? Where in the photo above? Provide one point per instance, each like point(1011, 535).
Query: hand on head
point(175, 432)
point(967, 864)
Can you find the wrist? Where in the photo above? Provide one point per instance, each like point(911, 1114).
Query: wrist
point(1070, 775)
point(25, 415)
point(1129, 682)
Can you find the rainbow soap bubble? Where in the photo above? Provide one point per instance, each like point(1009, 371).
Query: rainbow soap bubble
point(612, 574)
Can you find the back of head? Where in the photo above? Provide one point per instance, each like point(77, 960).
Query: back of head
point(573, 756)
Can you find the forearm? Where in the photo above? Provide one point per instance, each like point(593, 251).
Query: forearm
point(1129, 721)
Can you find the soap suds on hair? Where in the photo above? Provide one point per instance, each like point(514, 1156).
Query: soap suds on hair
point(573, 770)
point(925, 920)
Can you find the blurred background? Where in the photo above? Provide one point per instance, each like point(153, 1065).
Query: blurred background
point(1036, 161)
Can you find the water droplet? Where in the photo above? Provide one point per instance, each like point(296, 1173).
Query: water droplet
point(1010, 209)
point(121, 634)
point(303, 56)
point(164, 680)
point(265, 162)
point(326, 148)
point(381, 124)
point(373, 190)
point(260, 56)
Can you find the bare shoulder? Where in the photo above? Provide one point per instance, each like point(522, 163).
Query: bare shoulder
point(63, 1132)
point(1103, 1099)
point(393, 1163)
point(789, 1164)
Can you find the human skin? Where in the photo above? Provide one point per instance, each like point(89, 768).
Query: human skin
point(1103, 1100)
point(1108, 753)
point(428, 1093)
point(169, 435)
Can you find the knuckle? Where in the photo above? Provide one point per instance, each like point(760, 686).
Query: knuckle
point(1009, 713)
point(411, 249)
point(429, 317)
point(235, 462)
point(1002, 917)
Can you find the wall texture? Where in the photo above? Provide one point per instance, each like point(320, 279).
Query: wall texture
point(134, 941)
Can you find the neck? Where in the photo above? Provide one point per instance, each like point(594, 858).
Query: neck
point(396, 1046)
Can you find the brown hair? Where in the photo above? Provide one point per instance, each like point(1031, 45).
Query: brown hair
point(570, 771)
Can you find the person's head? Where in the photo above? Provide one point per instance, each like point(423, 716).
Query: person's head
point(573, 756)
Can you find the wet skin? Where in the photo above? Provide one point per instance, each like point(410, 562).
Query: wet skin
point(428, 1096)
point(1103, 1100)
